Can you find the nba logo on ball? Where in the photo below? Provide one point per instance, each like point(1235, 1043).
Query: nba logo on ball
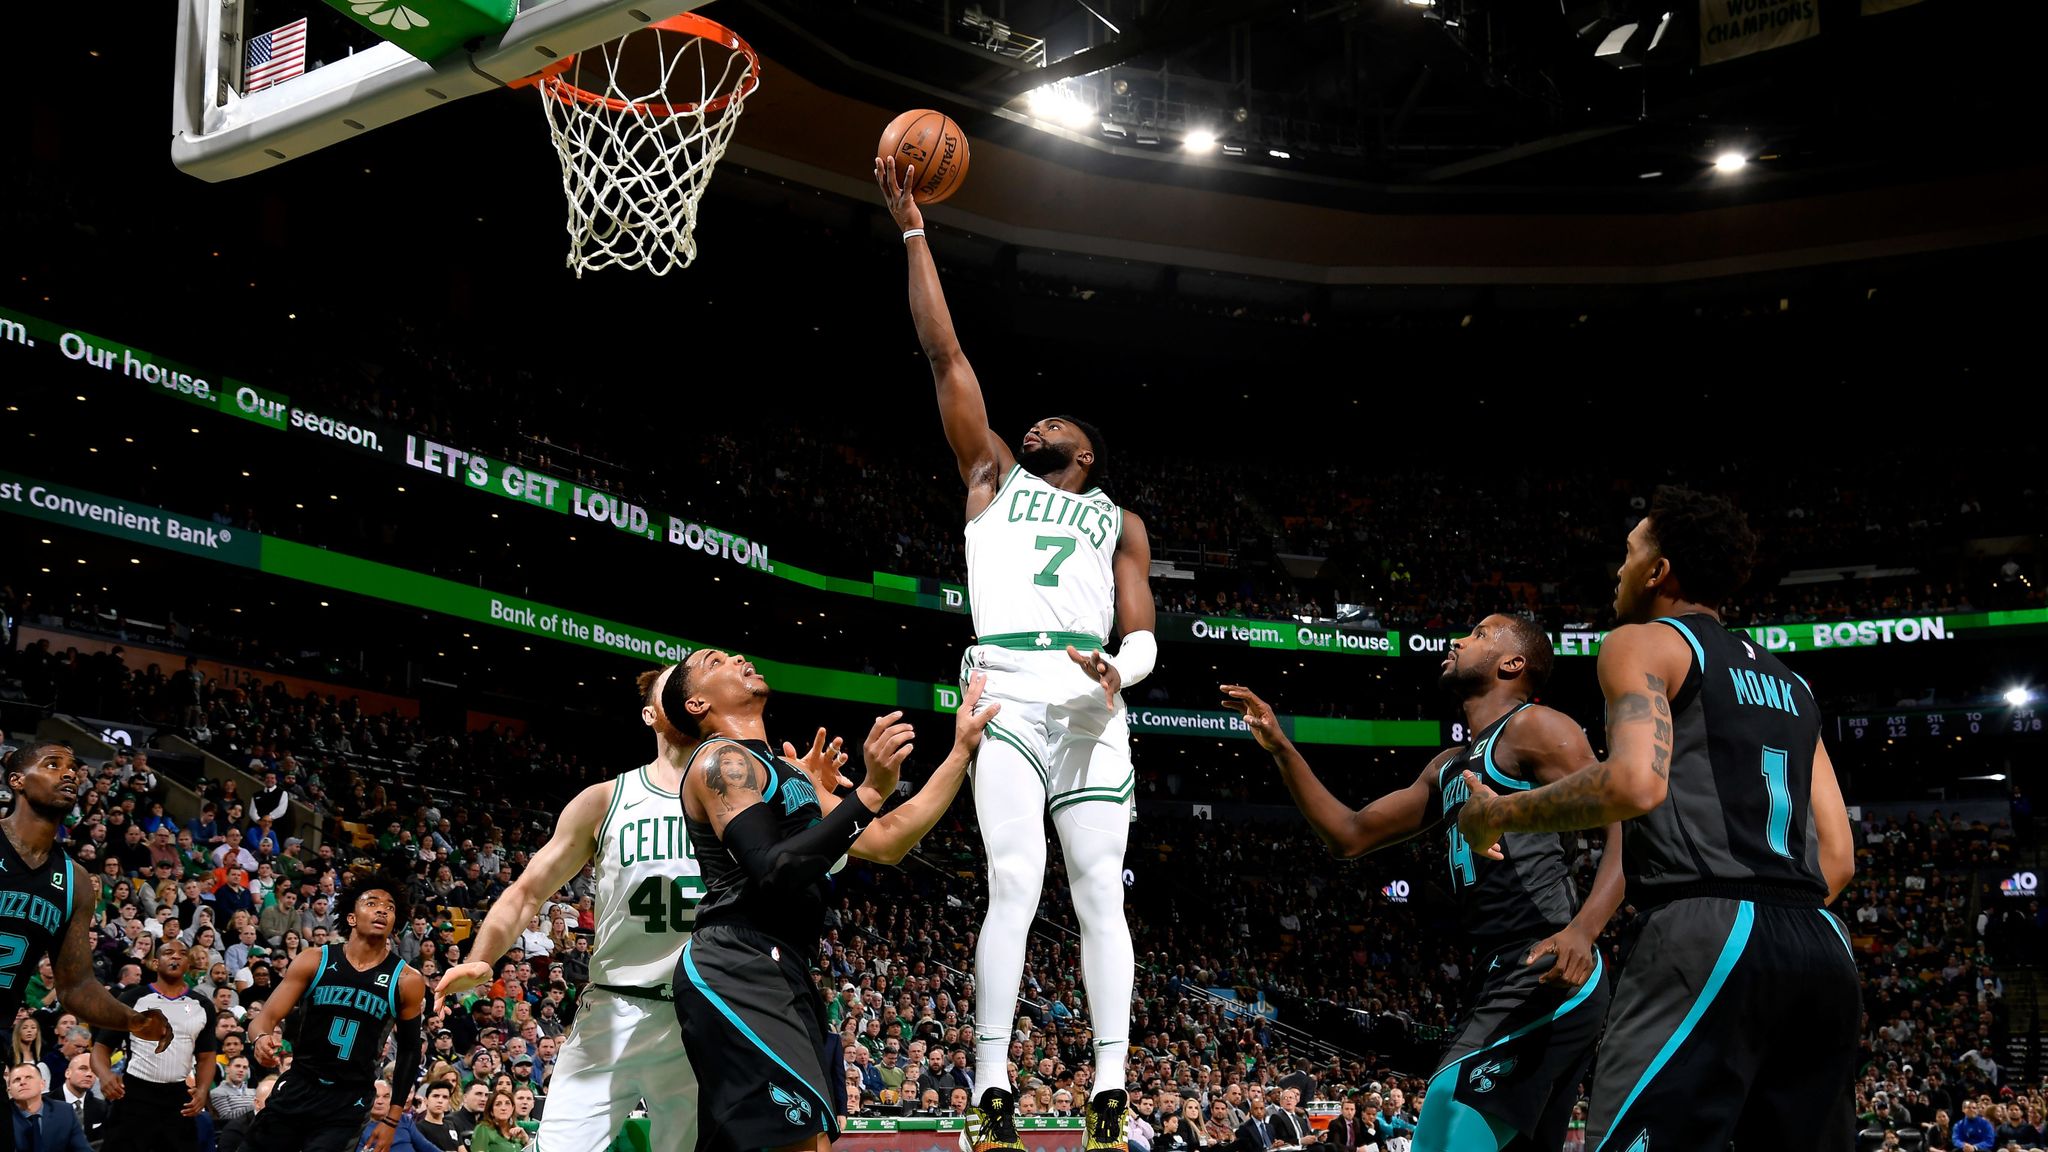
point(933, 145)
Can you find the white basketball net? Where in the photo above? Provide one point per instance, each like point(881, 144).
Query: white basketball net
point(635, 163)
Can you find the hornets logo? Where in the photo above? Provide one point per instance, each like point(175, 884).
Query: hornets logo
point(1482, 1075)
point(795, 1109)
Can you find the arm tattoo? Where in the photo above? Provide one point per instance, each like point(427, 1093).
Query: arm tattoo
point(1577, 801)
point(1660, 752)
point(729, 772)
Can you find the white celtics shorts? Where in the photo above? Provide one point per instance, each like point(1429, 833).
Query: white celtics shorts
point(1055, 723)
point(621, 1050)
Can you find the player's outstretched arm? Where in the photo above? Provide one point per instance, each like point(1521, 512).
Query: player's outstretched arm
point(1348, 832)
point(724, 786)
point(1640, 666)
point(894, 833)
point(83, 995)
point(1831, 822)
point(269, 1018)
point(557, 862)
point(982, 455)
point(1549, 746)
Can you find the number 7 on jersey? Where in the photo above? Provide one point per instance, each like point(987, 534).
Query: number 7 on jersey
point(1049, 576)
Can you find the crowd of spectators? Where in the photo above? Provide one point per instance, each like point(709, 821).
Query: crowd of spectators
point(1229, 918)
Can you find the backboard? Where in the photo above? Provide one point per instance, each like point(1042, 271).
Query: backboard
point(229, 119)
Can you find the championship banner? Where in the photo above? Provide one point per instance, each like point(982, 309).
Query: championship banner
point(1730, 29)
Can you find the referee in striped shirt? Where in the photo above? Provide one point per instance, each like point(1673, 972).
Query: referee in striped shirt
point(152, 1107)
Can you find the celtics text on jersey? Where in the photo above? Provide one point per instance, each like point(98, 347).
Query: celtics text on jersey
point(648, 885)
point(1041, 559)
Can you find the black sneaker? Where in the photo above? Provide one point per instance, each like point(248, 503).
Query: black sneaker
point(1109, 1116)
point(992, 1124)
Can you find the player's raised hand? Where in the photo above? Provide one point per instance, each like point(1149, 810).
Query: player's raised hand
point(970, 721)
point(1258, 716)
point(896, 193)
point(1100, 670)
point(821, 763)
point(888, 746)
point(1477, 822)
point(151, 1025)
point(460, 979)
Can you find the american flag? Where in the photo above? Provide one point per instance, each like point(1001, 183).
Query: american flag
point(274, 57)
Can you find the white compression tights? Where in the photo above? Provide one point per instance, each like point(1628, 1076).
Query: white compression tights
point(1009, 802)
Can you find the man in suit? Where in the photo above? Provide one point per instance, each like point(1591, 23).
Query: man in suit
point(77, 1095)
point(40, 1123)
point(1256, 1133)
point(1288, 1125)
point(1347, 1132)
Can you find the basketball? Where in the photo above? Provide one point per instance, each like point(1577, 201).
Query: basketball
point(934, 145)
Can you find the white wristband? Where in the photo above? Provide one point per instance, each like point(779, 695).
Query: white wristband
point(1135, 657)
point(912, 232)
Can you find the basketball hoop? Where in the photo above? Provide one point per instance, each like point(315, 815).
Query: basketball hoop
point(639, 123)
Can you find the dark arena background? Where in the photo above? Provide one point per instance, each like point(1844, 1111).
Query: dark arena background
point(331, 495)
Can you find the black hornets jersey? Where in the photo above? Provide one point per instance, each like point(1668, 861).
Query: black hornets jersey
point(35, 905)
point(730, 895)
point(345, 1015)
point(1525, 895)
point(1737, 819)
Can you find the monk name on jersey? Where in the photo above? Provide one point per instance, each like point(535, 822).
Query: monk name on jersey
point(1092, 518)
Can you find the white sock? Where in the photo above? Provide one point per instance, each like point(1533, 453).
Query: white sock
point(1009, 801)
point(1093, 836)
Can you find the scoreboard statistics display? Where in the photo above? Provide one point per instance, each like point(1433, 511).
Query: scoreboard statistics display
point(1944, 725)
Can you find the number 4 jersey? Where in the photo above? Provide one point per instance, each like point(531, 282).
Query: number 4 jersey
point(648, 886)
point(1527, 894)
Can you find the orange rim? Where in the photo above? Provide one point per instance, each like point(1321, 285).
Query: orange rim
point(687, 23)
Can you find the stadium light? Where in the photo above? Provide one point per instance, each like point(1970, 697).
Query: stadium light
point(2018, 697)
point(1730, 162)
point(1061, 106)
point(1200, 140)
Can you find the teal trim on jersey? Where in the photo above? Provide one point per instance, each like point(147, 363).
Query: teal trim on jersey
point(1738, 939)
point(1451, 1125)
point(725, 1010)
point(1043, 641)
point(1496, 774)
point(1007, 737)
point(1802, 682)
point(321, 971)
point(647, 779)
point(70, 884)
point(395, 974)
point(1000, 489)
point(1839, 931)
point(1683, 630)
point(1564, 1009)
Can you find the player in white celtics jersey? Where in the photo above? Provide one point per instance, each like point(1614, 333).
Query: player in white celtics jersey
point(624, 1047)
point(1053, 568)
